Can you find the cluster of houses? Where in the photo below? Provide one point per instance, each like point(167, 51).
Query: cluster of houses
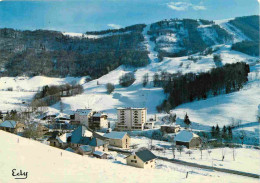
point(85, 140)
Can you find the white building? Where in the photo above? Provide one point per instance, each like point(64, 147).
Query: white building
point(131, 118)
point(98, 121)
point(83, 115)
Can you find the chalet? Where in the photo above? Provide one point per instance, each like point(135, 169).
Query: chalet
point(98, 144)
point(118, 139)
point(59, 140)
point(188, 139)
point(98, 121)
point(100, 155)
point(12, 126)
point(80, 136)
point(141, 159)
point(83, 136)
point(170, 128)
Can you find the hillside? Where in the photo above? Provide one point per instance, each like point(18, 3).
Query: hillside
point(46, 164)
point(57, 54)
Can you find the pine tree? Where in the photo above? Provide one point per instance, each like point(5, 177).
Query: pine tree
point(229, 132)
point(217, 130)
point(213, 131)
point(186, 119)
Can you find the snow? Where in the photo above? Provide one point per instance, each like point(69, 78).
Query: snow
point(150, 45)
point(238, 36)
point(48, 164)
point(185, 136)
point(92, 36)
point(246, 159)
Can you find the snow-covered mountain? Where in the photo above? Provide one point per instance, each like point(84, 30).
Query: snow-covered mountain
point(161, 41)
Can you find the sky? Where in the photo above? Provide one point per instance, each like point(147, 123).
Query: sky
point(90, 15)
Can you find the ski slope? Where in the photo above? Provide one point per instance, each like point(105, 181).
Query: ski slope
point(48, 164)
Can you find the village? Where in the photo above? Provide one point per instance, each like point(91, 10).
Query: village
point(89, 133)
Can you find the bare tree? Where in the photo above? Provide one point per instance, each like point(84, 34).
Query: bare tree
point(242, 136)
point(173, 150)
point(209, 151)
point(189, 152)
point(223, 153)
point(180, 149)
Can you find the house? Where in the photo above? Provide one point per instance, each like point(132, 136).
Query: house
point(100, 155)
point(59, 140)
point(98, 121)
point(84, 150)
point(83, 116)
point(12, 126)
point(118, 139)
point(131, 119)
point(170, 128)
point(188, 139)
point(80, 136)
point(98, 144)
point(141, 159)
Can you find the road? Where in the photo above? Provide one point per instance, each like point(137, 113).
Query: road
point(195, 165)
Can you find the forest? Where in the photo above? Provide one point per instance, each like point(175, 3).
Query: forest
point(189, 87)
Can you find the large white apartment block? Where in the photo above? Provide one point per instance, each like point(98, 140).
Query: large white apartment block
point(131, 118)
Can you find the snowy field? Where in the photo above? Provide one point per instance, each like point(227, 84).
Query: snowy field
point(244, 159)
point(48, 164)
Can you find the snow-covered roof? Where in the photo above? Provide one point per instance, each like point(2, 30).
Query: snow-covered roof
point(99, 153)
point(99, 114)
point(85, 148)
point(79, 133)
point(8, 124)
point(83, 111)
point(69, 149)
point(132, 108)
point(62, 115)
point(63, 138)
point(115, 135)
point(95, 142)
point(185, 136)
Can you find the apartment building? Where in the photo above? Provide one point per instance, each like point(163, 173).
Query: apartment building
point(131, 118)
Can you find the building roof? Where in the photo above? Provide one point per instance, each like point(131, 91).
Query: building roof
point(69, 149)
point(79, 133)
point(8, 124)
point(96, 142)
point(185, 136)
point(86, 148)
point(133, 108)
point(99, 153)
point(98, 114)
point(63, 138)
point(83, 111)
point(115, 135)
point(145, 155)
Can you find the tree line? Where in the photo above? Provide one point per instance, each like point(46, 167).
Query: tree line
point(50, 95)
point(189, 87)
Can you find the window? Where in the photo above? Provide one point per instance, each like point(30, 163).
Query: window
point(134, 157)
point(146, 162)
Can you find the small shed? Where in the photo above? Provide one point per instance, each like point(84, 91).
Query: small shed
point(100, 155)
point(188, 139)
